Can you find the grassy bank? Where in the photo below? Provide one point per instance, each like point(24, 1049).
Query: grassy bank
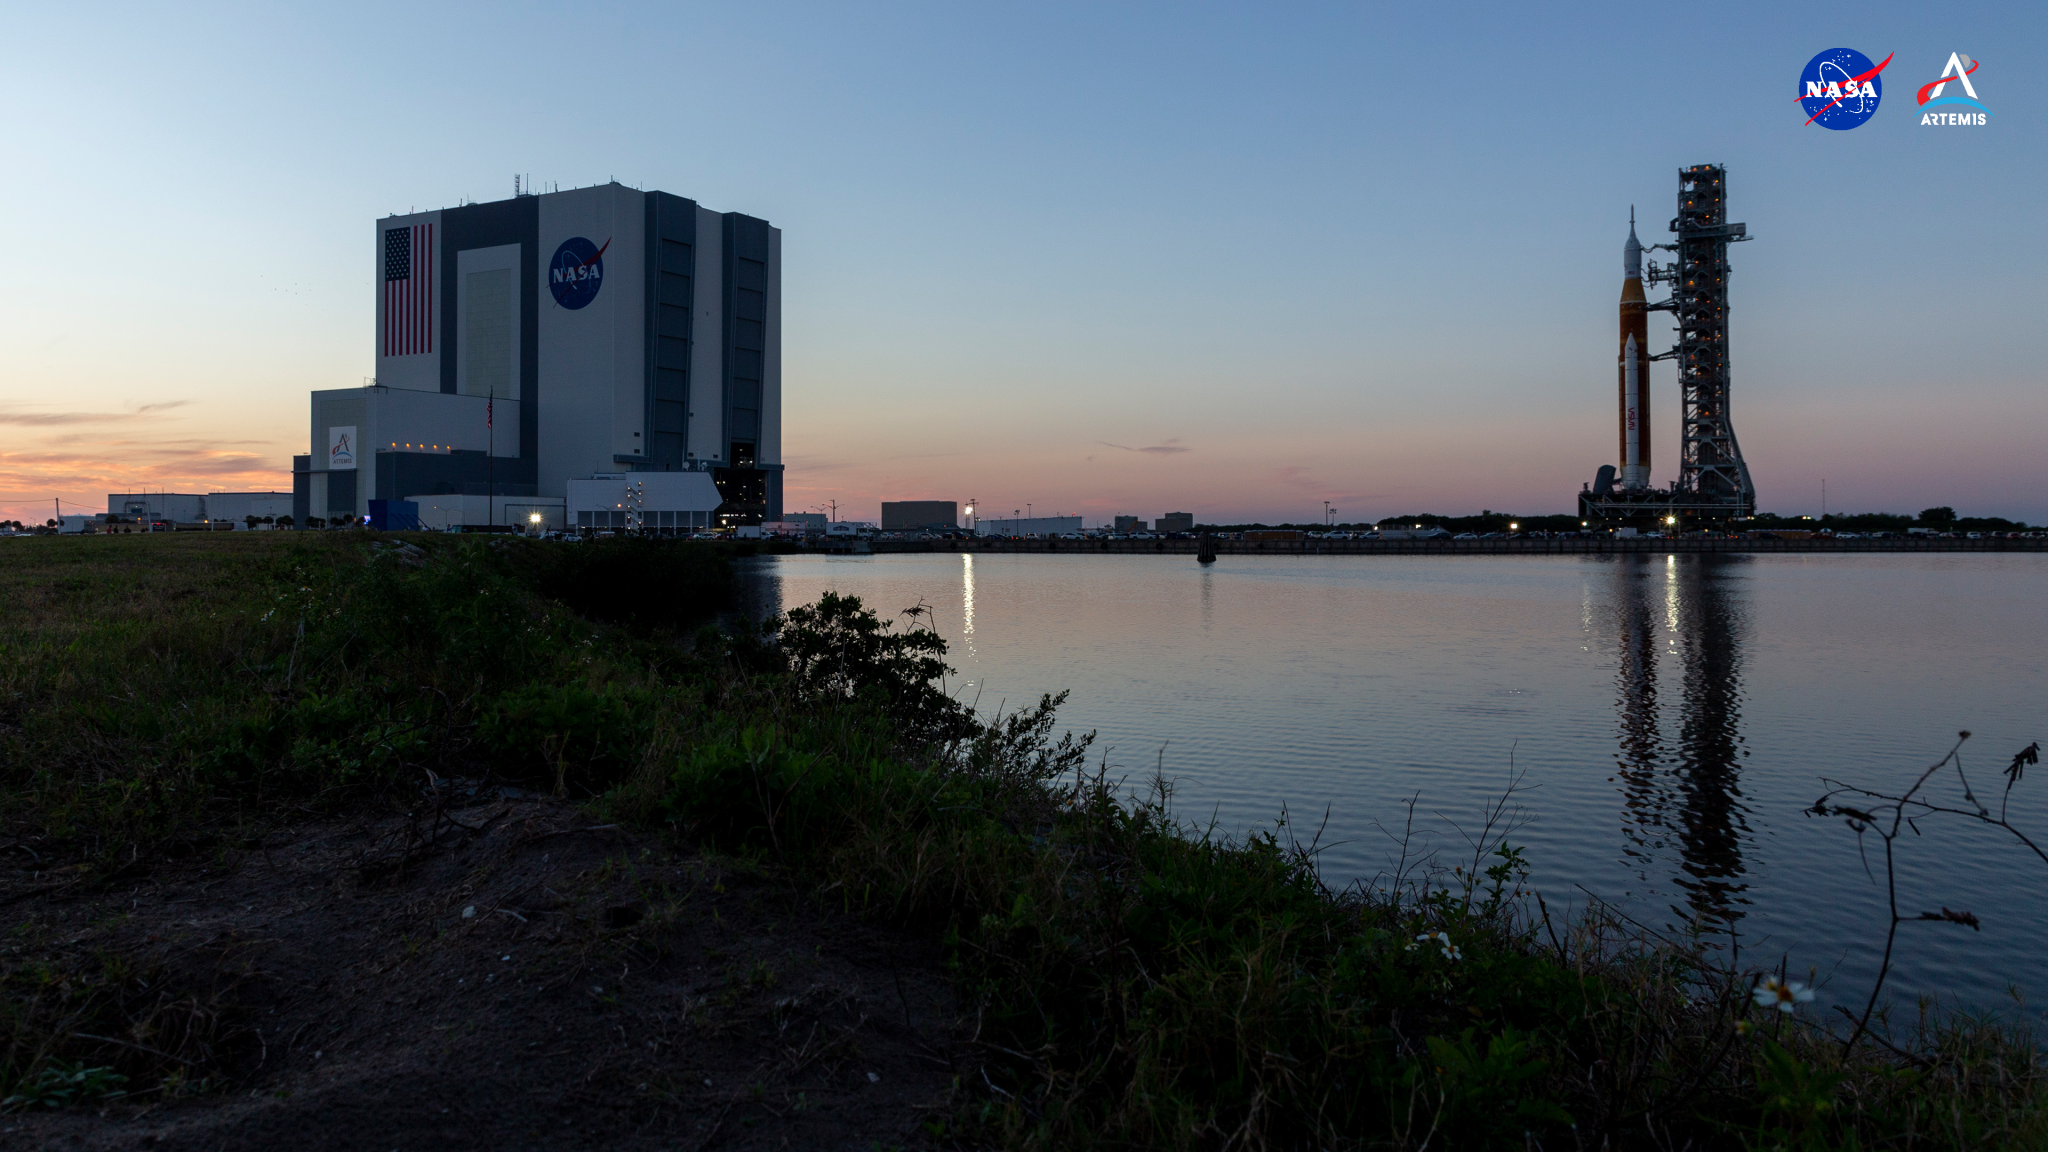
point(1129, 981)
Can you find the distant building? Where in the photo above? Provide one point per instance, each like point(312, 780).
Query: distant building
point(177, 507)
point(898, 515)
point(1129, 524)
point(239, 506)
point(1175, 522)
point(808, 520)
point(1039, 526)
point(527, 344)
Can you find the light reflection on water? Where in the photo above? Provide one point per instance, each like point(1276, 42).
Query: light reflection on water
point(1672, 713)
point(1682, 790)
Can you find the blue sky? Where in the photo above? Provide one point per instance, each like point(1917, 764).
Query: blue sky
point(1324, 252)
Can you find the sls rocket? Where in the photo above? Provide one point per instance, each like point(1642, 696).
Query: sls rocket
point(1633, 371)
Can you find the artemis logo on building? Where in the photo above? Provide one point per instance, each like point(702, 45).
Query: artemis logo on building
point(1957, 72)
point(576, 272)
point(341, 448)
point(1841, 88)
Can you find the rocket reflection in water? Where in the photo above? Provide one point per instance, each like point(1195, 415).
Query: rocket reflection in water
point(1683, 616)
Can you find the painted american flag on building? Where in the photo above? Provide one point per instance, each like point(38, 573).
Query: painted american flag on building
point(409, 290)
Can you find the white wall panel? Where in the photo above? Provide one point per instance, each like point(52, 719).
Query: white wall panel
point(487, 332)
point(592, 359)
point(337, 408)
point(421, 370)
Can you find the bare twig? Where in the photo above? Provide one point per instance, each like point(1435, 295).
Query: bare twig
point(1885, 814)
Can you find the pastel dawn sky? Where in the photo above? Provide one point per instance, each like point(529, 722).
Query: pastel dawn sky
point(1235, 260)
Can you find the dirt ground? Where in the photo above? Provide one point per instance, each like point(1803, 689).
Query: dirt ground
point(503, 976)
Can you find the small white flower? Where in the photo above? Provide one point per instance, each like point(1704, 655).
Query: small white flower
point(1782, 996)
point(1443, 941)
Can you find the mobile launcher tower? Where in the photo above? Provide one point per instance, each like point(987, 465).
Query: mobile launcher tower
point(1713, 482)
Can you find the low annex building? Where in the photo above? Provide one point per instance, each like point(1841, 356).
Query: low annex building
point(242, 505)
point(525, 344)
point(661, 503)
point(1029, 526)
point(194, 508)
point(176, 507)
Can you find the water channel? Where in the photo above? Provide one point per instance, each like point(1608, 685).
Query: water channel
point(1671, 718)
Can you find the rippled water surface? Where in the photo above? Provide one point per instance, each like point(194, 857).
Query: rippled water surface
point(1673, 716)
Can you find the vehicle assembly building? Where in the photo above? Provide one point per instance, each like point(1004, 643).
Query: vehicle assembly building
point(594, 334)
point(1713, 482)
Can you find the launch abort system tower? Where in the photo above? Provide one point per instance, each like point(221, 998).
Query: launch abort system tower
point(1713, 482)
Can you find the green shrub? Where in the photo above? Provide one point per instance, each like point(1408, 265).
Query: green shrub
point(643, 581)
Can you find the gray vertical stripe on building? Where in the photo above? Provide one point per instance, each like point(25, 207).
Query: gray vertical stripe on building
point(670, 301)
point(515, 221)
point(745, 328)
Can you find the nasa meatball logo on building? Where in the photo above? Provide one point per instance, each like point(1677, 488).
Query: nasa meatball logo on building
point(576, 272)
point(1964, 110)
point(1841, 88)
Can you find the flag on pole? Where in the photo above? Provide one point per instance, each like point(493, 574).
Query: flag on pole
point(409, 290)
